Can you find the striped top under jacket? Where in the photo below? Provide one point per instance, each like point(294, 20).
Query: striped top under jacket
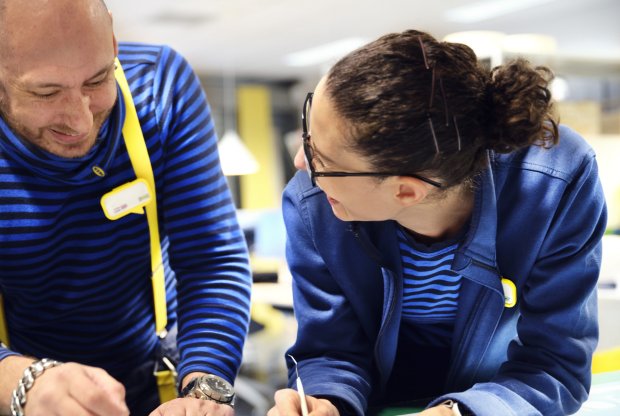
point(430, 286)
point(77, 285)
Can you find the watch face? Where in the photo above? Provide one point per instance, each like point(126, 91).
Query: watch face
point(217, 384)
point(216, 388)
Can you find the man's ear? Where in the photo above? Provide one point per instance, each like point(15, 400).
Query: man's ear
point(410, 191)
point(2, 92)
point(115, 43)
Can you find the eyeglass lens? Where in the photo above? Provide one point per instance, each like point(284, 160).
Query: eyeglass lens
point(305, 117)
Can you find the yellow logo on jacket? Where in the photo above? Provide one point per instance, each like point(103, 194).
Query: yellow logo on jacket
point(510, 293)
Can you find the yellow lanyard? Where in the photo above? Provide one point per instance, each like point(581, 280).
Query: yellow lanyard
point(4, 335)
point(138, 154)
point(141, 162)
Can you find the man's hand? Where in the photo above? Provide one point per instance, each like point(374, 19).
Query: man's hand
point(289, 404)
point(75, 389)
point(190, 406)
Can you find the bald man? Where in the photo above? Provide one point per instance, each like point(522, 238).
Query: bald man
point(76, 285)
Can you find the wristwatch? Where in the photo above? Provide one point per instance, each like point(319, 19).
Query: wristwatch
point(210, 387)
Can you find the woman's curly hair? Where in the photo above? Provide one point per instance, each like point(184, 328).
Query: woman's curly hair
point(414, 104)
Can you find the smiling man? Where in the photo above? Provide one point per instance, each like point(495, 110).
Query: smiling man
point(76, 285)
point(55, 97)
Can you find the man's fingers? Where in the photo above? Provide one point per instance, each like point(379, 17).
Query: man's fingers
point(98, 392)
point(101, 378)
point(67, 405)
point(191, 406)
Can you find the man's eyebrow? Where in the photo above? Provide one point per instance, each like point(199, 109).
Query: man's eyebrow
point(55, 85)
point(103, 71)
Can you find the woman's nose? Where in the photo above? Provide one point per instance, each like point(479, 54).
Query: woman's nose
point(300, 159)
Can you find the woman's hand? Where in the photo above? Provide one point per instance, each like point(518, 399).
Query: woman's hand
point(289, 404)
point(439, 410)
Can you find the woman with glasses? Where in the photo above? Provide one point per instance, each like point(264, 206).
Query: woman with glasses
point(445, 241)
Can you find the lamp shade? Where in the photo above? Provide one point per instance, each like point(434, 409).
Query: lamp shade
point(530, 43)
point(235, 157)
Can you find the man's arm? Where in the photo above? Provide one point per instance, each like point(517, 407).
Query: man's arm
point(207, 248)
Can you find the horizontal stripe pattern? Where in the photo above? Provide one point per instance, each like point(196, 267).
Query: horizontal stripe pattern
point(77, 286)
point(430, 287)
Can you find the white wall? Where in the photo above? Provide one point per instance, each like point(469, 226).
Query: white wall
point(609, 296)
point(607, 148)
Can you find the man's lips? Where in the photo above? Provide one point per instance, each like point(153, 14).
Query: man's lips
point(67, 138)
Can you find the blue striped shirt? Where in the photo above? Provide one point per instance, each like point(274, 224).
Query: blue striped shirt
point(430, 288)
point(76, 285)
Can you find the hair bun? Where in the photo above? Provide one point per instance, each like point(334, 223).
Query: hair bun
point(520, 107)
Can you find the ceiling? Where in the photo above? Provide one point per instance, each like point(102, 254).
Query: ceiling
point(251, 38)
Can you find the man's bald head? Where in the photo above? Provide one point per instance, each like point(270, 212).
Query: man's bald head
point(21, 21)
point(3, 4)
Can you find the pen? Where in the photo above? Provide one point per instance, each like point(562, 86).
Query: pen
point(300, 390)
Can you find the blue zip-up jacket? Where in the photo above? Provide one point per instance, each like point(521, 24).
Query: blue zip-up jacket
point(538, 221)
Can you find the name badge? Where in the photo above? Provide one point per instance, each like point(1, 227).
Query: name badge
point(510, 293)
point(130, 198)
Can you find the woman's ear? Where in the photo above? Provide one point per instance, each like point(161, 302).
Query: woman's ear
point(410, 191)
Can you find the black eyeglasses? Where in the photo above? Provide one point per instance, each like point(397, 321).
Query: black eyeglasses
point(309, 154)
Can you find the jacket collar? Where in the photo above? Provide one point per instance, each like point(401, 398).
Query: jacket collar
point(476, 258)
point(479, 243)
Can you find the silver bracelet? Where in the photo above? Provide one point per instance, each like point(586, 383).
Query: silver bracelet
point(34, 370)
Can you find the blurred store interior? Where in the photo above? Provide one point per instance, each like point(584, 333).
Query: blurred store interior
point(257, 60)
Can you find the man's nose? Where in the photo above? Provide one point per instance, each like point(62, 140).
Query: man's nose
point(77, 112)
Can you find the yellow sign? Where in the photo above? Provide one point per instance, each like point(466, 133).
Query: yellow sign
point(130, 198)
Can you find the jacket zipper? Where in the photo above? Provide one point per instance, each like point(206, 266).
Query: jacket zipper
point(375, 254)
point(472, 318)
point(370, 249)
